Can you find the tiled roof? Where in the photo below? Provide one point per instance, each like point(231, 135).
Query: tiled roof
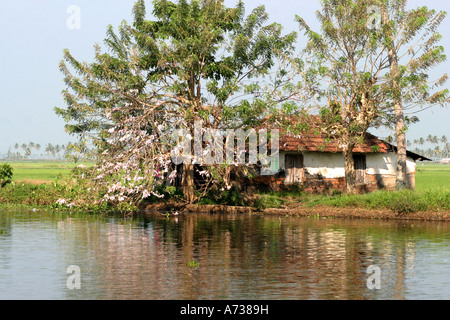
point(317, 142)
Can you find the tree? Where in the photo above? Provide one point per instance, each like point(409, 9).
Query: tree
point(50, 149)
point(346, 69)
point(421, 141)
point(411, 35)
point(184, 66)
point(447, 149)
point(437, 151)
point(444, 141)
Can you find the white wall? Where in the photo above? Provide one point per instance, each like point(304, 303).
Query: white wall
point(386, 164)
point(331, 165)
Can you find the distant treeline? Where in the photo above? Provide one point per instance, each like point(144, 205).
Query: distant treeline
point(431, 146)
point(32, 150)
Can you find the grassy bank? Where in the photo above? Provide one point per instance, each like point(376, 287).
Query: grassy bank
point(40, 184)
point(432, 194)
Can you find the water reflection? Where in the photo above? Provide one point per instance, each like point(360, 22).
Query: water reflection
point(236, 257)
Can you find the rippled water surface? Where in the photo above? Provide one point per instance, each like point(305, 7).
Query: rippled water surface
point(220, 257)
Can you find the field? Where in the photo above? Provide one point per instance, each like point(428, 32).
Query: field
point(37, 172)
point(432, 177)
point(429, 176)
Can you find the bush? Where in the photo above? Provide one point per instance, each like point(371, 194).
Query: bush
point(230, 197)
point(6, 173)
point(268, 201)
point(405, 203)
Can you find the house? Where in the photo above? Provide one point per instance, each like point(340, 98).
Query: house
point(317, 164)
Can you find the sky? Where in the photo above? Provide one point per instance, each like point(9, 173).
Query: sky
point(34, 34)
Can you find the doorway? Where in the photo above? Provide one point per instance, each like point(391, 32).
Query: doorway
point(294, 168)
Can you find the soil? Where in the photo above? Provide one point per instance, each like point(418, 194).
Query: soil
point(299, 210)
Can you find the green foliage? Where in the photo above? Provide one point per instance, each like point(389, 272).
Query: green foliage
point(268, 201)
point(75, 192)
point(6, 174)
point(189, 44)
point(401, 202)
point(231, 197)
point(168, 192)
point(193, 264)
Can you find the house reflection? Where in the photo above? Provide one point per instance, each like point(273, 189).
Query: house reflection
point(242, 257)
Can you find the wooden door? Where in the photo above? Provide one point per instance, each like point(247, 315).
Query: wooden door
point(294, 168)
point(360, 168)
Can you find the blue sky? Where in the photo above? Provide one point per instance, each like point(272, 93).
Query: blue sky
point(35, 32)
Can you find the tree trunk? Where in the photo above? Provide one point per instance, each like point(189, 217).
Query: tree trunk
point(400, 182)
point(188, 182)
point(401, 179)
point(350, 176)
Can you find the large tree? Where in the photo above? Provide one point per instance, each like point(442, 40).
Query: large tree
point(346, 69)
point(375, 57)
point(195, 61)
point(411, 42)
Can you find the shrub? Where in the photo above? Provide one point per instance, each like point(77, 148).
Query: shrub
point(230, 197)
point(268, 201)
point(6, 173)
point(405, 203)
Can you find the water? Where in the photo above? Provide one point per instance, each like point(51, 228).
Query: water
point(220, 257)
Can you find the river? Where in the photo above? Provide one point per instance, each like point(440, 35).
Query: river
point(196, 257)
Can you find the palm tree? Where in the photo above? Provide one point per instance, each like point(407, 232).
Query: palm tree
point(445, 143)
point(437, 151)
point(24, 146)
point(435, 140)
point(38, 147)
point(429, 138)
point(429, 153)
point(421, 141)
point(49, 149)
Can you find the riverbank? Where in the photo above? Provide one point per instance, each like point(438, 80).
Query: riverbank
point(430, 201)
point(404, 205)
point(317, 212)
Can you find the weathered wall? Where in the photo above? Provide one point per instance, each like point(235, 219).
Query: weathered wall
point(327, 165)
point(385, 164)
point(325, 171)
point(381, 171)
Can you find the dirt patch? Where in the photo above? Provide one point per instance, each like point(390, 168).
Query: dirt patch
point(301, 211)
point(359, 213)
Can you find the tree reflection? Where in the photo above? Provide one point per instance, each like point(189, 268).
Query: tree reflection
point(249, 257)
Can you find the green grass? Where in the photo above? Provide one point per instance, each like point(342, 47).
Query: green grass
point(41, 171)
point(432, 177)
point(432, 194)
